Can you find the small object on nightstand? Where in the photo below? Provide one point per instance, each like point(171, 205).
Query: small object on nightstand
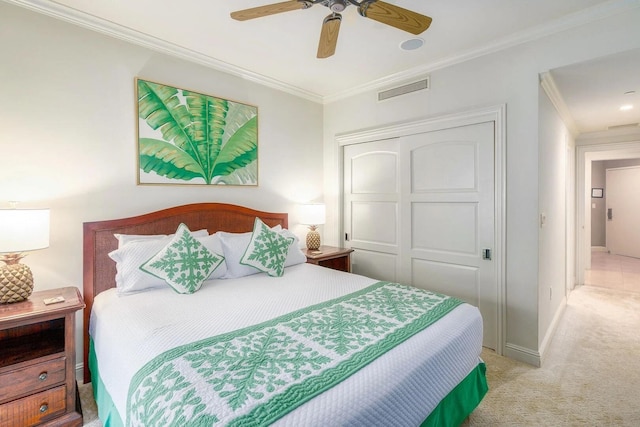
point(38, 360)
point(331, 257)
point(49, 301)
point(313, 215)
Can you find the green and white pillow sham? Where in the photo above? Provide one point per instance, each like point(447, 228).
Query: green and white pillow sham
point(267, 250)
point(129, 257)
point(184, 263)
point(234, 246)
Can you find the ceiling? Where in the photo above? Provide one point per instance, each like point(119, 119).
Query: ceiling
point(280, 50)
point(595, 91)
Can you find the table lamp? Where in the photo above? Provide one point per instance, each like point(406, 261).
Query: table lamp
point(21, 230)
point(313, 214)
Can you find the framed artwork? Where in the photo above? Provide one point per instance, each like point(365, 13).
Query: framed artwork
point(597, 193)
point(185, 137)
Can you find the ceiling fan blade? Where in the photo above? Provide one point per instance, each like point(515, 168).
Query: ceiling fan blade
point(270, 9)
point(329, 35)
point(396, 16)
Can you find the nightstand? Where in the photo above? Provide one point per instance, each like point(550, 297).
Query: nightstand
point(331, 257)
point(38, 360)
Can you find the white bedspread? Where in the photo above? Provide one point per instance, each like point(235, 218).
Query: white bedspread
point(400, 388)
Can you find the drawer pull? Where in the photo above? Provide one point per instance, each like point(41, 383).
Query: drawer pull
point(44, 408)
point(43, 376)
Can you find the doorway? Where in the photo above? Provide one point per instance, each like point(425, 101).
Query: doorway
point(586, 154)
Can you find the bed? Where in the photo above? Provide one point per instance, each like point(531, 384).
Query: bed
point(246, 349)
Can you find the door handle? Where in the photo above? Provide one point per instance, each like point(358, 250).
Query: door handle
point(609, 214)
point(486, 254)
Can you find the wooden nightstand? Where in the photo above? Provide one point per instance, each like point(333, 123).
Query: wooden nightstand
point(328, 256)
point(38, 360)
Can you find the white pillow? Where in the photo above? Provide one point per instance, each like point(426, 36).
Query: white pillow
point(295, 255)
point(129, 258)
point(234, 245)
point(123, 239)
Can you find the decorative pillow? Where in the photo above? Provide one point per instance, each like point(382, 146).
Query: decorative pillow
point(267, 250)
point(123, 239)
point(129, 277)
point(184, 262)
point(234, 245)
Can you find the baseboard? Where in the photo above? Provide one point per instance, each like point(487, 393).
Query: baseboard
point(599, 249)
point(522, 354)
point(551, 331)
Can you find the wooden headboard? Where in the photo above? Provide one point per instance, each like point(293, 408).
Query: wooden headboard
point(100, 270)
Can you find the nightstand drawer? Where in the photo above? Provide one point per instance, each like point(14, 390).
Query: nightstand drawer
point(33, 409)
point(32, 378)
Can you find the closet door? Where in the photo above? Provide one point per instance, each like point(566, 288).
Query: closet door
point(419, 209)
point(371, 208)
point(447, 217)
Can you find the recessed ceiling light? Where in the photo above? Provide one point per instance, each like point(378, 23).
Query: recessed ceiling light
point(630, 92)
point(626, 107)
point(412, 44)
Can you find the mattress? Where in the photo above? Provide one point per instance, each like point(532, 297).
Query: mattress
point(402, 387)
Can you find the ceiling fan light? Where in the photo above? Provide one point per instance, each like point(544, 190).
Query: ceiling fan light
point(337, 5)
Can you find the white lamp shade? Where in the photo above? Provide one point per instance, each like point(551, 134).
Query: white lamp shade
point(23, 230)
point(312, 214)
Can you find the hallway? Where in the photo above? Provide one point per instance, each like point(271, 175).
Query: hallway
point(591, 369)
point(613, 272)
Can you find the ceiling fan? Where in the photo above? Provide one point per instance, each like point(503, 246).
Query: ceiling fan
point(380, 11)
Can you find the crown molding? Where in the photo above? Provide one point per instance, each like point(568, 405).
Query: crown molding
point(551, 89)
point(121, 32)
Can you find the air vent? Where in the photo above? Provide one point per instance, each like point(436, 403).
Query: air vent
point(628, 125)
point(404, 89)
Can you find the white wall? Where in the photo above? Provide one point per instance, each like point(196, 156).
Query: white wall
point(509, 77)
point(554, 139)
point(68, 135)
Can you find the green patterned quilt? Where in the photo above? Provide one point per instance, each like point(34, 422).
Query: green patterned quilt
point(255, 375)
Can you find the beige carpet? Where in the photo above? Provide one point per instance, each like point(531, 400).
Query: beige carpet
point(590, 377)
point(591, 374)
point(89, 409)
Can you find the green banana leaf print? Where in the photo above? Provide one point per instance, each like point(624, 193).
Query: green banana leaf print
point(186, 137)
